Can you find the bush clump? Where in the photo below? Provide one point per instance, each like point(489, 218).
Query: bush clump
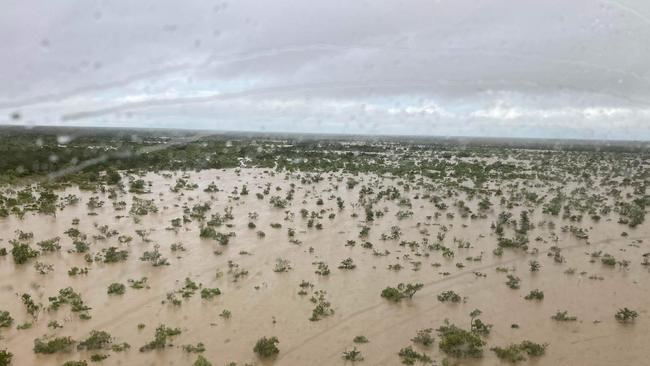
point(5, 319)
point(47, 345)
point(449, 296)
point(5, 357)
point(424, 337)
point(116, 289)
point(96, 340)
point(409, 356)
point(402, 291)
point(535, 295)
point(160, 338)
point(266, 347)
point(515, 352)
point(459, 342)
point(626, 315)
point(201, 361)
point(75, 363)
point(22, 252)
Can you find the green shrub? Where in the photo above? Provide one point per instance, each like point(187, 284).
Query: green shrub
point(47, 345)
point(360, 339)
point(72, 298)
point(96, 340)
point(190, 348)
point(459, 342)
point(449, 296)
point(562, 316)
point(515, 352)
point(116, 289)
point(424, 337)
point(201, 361)
point(409, 356)
point(208, 293)
point(402, 291)
point(5, 357)
point(513, 282)
point(535, 295)
point(5, 319)
point(352, 355)
point(510, 353)
point(75, 363)
point(626, 315)
point(266, 347)
point(22, 252)
point(160, 338)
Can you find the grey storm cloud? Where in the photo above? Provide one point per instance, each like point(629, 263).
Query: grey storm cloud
point(468, 67)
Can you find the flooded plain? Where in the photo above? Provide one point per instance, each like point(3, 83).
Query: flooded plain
point(271, 250)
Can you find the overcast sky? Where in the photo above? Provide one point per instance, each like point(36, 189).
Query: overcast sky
point(514, 68)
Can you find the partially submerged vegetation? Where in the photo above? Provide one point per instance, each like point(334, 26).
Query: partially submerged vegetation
point(338, 223)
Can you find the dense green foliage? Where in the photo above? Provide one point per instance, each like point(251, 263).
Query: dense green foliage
point(266, 347)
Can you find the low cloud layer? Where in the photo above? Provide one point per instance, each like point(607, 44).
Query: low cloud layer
point(558, 69)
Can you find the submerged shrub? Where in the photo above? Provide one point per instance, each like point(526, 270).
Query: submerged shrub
point(96, 340)
point(449, 296)
point(409, 356)
point(424, 337)
point(563, 316)
point(201, 361)
point(352, 355)
point(48, 345)
point(22, 252)
point(5, 357)
point(116, 289)
point(402, 291)
point(5, 319)
point(160, 338)
point(515, 352)
point(266, 347)
point(535, 295)
point(459, 342)
point(626, 315)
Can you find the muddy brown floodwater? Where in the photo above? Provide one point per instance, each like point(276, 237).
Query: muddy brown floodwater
point(268, 303)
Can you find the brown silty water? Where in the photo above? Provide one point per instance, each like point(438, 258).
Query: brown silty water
point(267, 303)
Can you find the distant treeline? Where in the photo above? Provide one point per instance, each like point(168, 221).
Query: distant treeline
point(67, 152)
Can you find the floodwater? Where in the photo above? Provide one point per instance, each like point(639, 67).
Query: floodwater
point(267, 303)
